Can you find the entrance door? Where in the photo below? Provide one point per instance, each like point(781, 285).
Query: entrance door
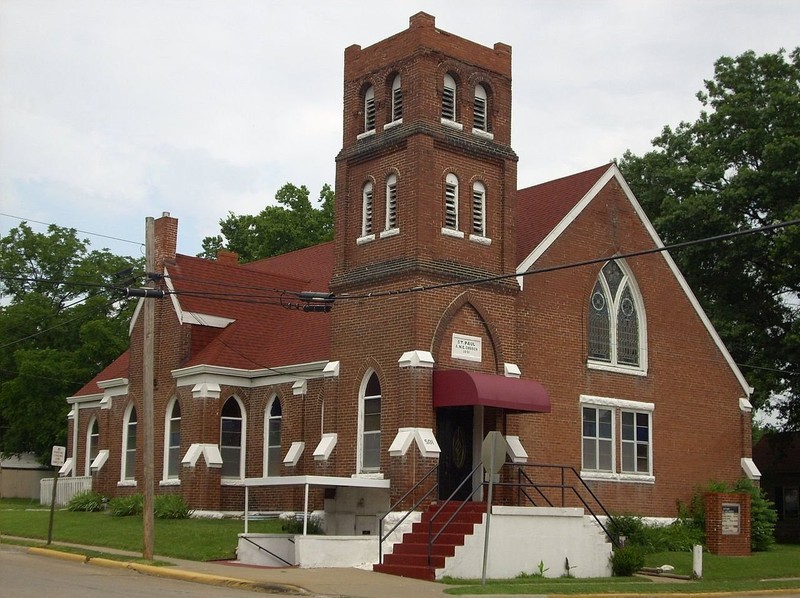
point(454, 434)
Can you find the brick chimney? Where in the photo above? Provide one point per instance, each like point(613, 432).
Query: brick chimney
point(166, 240)
point(227, 257)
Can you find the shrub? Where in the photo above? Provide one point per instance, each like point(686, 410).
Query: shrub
point(631, 527)
point(87, 501)
point(762, 511)
point(171, 506)
point(762, 516)
point(627, 560)
point(294, 525)
point(124, 506)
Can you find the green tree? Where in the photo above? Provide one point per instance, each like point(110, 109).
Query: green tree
point(59, 326)
point(292, 224)
point(737, 167)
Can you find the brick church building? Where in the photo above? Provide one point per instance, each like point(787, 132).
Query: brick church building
point(459, 304)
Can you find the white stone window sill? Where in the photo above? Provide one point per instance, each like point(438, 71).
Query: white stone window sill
point(126, 484)
point(392, 124)
point(482, 133)
point(365, 134)
point(449, 232)
point(610, 367)
point(169, 483)
point(452, 124)
point(365, 239)
point(232, 482)
point(606, 476)
point(480, 240)
point(390, 232)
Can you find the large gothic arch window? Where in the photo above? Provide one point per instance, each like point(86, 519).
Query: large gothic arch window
point(369, 424)
point(616, 320)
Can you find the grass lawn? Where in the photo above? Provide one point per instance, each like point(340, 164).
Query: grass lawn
point(192, 539)
point(211, 539)
point(778, 568)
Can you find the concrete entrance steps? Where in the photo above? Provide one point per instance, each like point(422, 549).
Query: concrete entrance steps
point(409, 558)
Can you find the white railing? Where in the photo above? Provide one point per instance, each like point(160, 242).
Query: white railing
point(65, 489)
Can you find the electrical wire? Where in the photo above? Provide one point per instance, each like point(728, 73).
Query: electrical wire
point(85, 232)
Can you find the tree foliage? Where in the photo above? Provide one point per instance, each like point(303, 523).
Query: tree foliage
point(59, 326)
point(292, 224)
point(735, 168)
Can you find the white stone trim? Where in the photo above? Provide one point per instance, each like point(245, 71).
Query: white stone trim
point(449, 232)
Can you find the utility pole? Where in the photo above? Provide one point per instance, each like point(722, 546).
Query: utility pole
point(148, 358)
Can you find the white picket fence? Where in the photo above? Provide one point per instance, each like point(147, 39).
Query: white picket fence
point(66, 488)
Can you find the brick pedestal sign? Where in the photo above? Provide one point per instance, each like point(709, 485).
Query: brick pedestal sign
point(727, 523)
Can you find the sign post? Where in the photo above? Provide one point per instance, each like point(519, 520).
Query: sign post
point(493, 456)
point(56, 460)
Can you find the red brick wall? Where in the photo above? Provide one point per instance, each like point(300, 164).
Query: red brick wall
point(697, 424)
point(727, 544)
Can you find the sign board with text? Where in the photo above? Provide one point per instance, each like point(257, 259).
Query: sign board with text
point(58, 456)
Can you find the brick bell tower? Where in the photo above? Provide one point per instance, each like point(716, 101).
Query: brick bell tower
point(425, 194)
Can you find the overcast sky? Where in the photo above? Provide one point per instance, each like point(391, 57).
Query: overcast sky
point(115, 110)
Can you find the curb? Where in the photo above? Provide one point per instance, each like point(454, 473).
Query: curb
point(178, 574)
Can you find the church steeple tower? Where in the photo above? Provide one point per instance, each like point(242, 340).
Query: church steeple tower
point(426, 178)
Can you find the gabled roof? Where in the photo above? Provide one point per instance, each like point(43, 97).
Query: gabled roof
point(116, 369)
point(554, 206)
point(250, 303)
point(540, 208)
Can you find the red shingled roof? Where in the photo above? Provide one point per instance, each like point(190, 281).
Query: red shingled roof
point(265, 334)
point(540, 208)
point(116, 369)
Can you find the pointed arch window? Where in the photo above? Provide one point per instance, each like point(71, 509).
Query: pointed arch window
point(397, 99)
point(92, 444)
point(366, 210)
point(480, 110)
point(172, 440)
point(232, 439)
point(451, 202)
point(391, 202)
point(479, 209)
point(129, 444)
point(369, 109)
point(616, 319)
point(449, 98)
point(369, 437)
point(272, 440)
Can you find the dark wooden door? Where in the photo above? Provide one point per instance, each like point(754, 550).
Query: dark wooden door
point(454, 434)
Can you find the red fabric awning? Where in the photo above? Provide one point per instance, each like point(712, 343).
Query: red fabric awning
point(452, 388)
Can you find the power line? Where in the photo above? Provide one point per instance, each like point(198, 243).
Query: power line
point(589, 262)
point(85, 232)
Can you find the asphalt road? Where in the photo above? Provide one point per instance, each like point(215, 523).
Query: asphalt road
point(23, 575)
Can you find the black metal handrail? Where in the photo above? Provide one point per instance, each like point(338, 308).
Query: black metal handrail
point(521, 473)
point(411, 510)
point(269, 552)
point(563, 486)
point(431, 537)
